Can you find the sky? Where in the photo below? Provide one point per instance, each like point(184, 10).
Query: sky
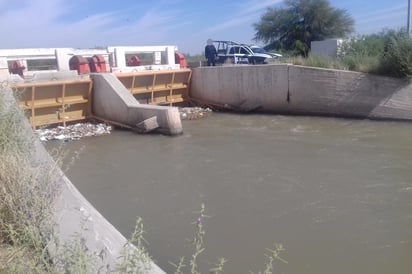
point(186, 24)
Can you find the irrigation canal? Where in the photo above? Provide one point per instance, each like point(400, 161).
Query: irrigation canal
point(336, 193)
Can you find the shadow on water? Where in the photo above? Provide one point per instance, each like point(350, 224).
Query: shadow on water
point(336, 193)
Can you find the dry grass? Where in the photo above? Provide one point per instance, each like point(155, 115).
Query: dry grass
point(18, 260)
point(28, 189)
point(27, 192)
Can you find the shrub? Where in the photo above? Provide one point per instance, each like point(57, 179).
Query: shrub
point(397, 57)
point(387, 53)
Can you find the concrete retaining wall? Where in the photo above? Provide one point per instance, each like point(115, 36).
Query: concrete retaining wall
point(233, 85)
point(288, 89)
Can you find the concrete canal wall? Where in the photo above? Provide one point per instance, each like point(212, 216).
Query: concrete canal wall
point(74, 215)
point(289, 89)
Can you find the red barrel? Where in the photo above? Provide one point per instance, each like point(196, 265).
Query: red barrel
point(180, 59)
point(80, 64)
point(97, 64)
point(133, 61)
point(17, 68)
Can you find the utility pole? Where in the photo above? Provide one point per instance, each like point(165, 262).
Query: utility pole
point(408, 23)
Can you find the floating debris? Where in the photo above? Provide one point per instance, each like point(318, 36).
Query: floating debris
point(73, 132)
point(80, 130)
point(191, 113)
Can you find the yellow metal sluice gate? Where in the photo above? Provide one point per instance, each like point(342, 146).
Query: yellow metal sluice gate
point(62, 101)
point(55, 102)
point(164, 87)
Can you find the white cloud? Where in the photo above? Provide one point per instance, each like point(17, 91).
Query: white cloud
point(39, 23)
point(33, 20)
point(243, 15)
point(228, 24)
point(253, 6)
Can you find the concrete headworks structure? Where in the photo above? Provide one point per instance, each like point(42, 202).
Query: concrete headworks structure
point(75, 87)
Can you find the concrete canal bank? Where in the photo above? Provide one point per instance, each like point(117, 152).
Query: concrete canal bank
point(74, 216)
point(296, 90)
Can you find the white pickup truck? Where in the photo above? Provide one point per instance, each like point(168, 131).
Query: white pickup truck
point(235, 53)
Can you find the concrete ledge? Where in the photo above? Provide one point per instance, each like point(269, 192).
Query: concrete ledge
point(288, 89)
point(56, 75)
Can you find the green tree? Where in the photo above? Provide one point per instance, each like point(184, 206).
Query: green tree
point(297, 23)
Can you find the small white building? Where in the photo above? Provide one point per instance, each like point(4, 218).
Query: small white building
point(326, 48)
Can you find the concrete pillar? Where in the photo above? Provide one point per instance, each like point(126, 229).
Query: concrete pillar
point(119, 58)
point(157, 57)
point(170, 53)
point(4, 68)
point(62, 58)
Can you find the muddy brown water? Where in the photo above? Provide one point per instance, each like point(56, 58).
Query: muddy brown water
point(336, 193)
